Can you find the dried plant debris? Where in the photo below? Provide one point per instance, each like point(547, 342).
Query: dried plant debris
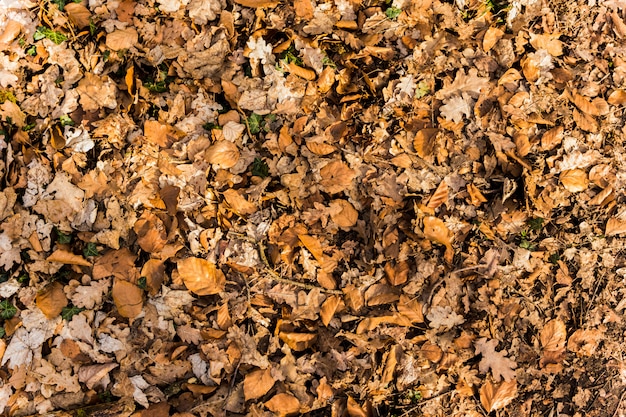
point(320, 207)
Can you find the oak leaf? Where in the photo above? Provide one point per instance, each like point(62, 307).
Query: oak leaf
point(584, 342)
point(257, 383)
point(201, 276)
point(494, 397)
point(497, 362)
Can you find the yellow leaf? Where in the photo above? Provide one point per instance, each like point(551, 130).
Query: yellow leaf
point(574, 180)
point(494, 397)
point(283, 404)
point(313, 245)
point(128, 298)
point(68, 258)
point(201, 276)
point(257, 383)
point(51, 300)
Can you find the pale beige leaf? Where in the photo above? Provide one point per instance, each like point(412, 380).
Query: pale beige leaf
point(553, 335)
point(497, 362)
point(68, 258)
point(122, 39)
point(584, 342)
point(128, 298)
point(283, 404)
point(201, 276)
point(574, 180)
point(336, 177)
point(51, 300)
point(494, 397)
point(257, 383)
point(223, 154)
point(238, 203)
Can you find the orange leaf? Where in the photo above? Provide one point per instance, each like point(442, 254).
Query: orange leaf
point(305, 73)
point(313, 245)
point(154, 271)
point(574, 180)
point(257, 383)
point(597, 107)
point(439, 197)
point(68, 258)
point(238, 203)
point(584, 342)
point(151, 233)
point(552, 138)
point(122, 39)
point(617, 97)
point(424, 143)
point(224, 154)
point(343, 213)
point(158, 133)
point(354, 409)
point(411, 309)
point(336, 177)
point(494, 397)
point(78, 14)
point(283, 404)
point(329, 308)
point(257, 3)
point(201, 276)
point(128, 298)
point(615, 226)
point(51, 300)
point(492, 36)
point(298, 341)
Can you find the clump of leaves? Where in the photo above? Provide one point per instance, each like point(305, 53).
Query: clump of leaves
point(7, 310)
point(536, 224)
point(290, 56)
point(160, 83)
point(258, 123)
point(62, 238)
point(260, 168)
point(7, 95)
point(393, 12)
point(44, 32)
point(66, 120)
point(210, 126)
point(526, 241)
point(142, 283)
point(414, 396)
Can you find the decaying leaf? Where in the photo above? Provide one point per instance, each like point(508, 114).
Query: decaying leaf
point(201, 276)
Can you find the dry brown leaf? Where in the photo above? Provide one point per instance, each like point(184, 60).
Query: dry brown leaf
point(492, 36)
point(238, 203)
point(397, 273)
point(151, 233)
point(436, 231)
point(11, 30)
point(224, 320)
point(439, 197)
point(305, 73)
point(424, 143)
point(320, 148)
point(119, 263)
point(494, 397)
point(298, 341)
point(313, 245)
point(283, 404)
point(431, 352)
point(257, 383)
point(79, 15)
point(584, 342)
point(51, 300)
point(336, 177)
point(122, 39)
point(223, 154)
point(574, 180)
point(354, 409)
point(615, 226)
point(585, 122)
point(476, 197)
point(326, 79)
point(68, 258)
point(394, 356)
point(552, 138)
point(258, 3)
point(597, 107)
point(158, 133)
point(128, 298)
point(201, 276)
point(411, 309)
point(553, 336)
point(329, 308)
point(550, 42)
point(343, 213)
point(617, 97)
point(154, 271)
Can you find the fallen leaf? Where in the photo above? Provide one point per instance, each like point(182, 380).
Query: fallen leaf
point(238, 203)
point(51, 300)
point(553, 336)
point(223, 154)
point(436, 231)
point(201, 276)
point(283, 404)
point(336, 177)
point(128, 298)
point(492, 36)
point(151, 233)
point(494, 397)
point(497, 362)
point(68, 258)
point(298, 341)
point(258, 3)
point(584, 342)
point(313, 245)
point(329, 308)
point(615, 226)
point(122, 39)
point(257, 383)
point(78, 14)
point(343, 213)
point(574, 180)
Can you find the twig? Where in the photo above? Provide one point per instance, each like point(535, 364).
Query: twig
point(617, 408)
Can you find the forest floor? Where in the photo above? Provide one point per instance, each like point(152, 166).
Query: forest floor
point(339, 207)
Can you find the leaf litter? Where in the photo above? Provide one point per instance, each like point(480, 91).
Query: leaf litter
point(347, 208)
